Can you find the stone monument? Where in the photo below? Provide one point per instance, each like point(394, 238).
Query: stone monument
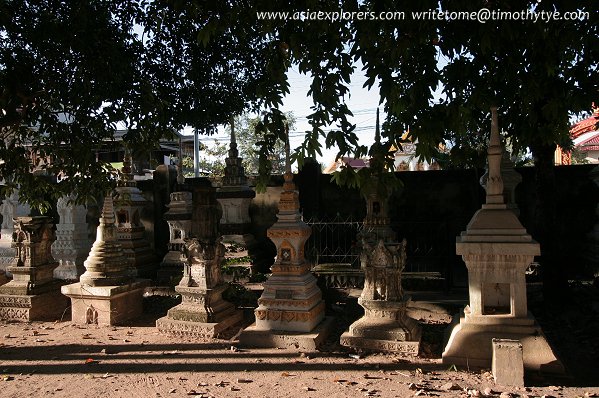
point(10, 208)
point(291, 312)
point(72, 243)
point(385, 325)
point(33, 293)
point(497, 250)
point(235, 197)
point(178, 218)
point(128, 205)
point(203, 311)
point(377, 224)
point(107, 293)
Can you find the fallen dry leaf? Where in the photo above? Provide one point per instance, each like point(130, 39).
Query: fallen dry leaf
point(450, 386)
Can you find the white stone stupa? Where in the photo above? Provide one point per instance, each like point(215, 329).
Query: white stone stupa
point(497, 250)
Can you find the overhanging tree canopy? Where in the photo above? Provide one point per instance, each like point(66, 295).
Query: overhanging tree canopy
point(71, 72)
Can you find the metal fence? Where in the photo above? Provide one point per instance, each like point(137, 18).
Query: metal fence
point(334, 241)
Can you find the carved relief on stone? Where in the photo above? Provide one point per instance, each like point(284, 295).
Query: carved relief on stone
point(290, 316)
point(383, 265)
point(203, 259)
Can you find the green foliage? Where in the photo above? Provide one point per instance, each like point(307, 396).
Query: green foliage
point(250, 143)
point(72, 72)
point(240, 296)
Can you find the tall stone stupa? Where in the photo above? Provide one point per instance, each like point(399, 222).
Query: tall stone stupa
point(291, 312)
point(497, 250)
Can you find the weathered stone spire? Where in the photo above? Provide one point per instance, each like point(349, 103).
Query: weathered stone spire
point(289, 205)
point(234, 171)
point(126, 177)
point(494, 182)
point(233, 141)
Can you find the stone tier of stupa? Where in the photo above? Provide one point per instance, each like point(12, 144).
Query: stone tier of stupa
point(9, 209)
point(497, 250)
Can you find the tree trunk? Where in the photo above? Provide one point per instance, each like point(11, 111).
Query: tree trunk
point(545, 223)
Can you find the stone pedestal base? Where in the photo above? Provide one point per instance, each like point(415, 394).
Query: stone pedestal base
point(470, 342)
point(48, 306)
point(198, 329)
point(272, 315)
point(106, 305)
point(384, 327)
point(203, 313)
point(263, 338)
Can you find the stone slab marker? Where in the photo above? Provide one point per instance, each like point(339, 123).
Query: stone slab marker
point(497, 250)
point(203, 312)
point(107, 293)
point(508, 363)
point(33, 293)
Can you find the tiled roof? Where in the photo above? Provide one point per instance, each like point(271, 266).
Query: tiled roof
point(586, 125)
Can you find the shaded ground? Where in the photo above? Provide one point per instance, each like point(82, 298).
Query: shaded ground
point(63, 359)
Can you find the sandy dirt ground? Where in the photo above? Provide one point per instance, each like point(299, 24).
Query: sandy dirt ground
point(61, 359)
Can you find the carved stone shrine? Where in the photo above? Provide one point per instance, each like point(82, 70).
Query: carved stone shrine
point(291, 312)
point(202, 312)
point(178, 218)
point(497, 250)
point(72, 244)
point(235, 197)
point(33, 293)
point(385, 325)
point(107, 293)
point(129, 204)
point(10, 208)
point(377, 223)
